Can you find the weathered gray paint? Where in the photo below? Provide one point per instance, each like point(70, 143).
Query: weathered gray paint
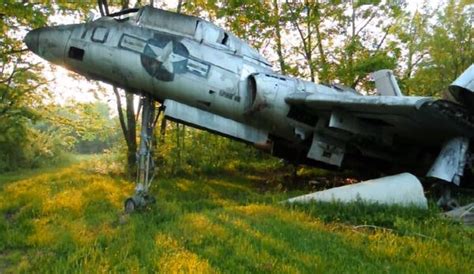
point(327, 150)
point(211, 79)
point(463, 88)
point(385, 83)
point(401, 189)
point(449, 166)
point(215, 123)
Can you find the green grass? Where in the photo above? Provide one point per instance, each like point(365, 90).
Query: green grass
point(70, 219)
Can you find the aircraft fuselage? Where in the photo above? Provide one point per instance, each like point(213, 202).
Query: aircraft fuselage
point(210, 79)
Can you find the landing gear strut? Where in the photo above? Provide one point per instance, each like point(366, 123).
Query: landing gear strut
point(146, 165)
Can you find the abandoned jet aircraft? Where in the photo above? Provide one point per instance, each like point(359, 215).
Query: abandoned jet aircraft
point(207, 78)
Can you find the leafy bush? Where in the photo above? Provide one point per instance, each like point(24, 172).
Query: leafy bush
point(196, 151)
point(40, 139)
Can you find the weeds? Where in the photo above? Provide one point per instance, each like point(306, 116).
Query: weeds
point(70, 219)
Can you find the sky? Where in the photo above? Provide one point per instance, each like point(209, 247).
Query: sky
point(69, 87)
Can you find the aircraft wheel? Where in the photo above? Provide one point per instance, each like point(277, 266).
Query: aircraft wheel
point(130, 206)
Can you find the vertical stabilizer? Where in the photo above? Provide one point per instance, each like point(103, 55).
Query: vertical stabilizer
point(386, 84)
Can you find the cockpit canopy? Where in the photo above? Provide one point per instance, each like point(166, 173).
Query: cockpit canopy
point(198, 29)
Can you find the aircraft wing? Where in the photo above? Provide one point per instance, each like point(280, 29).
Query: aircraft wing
point(411, 118)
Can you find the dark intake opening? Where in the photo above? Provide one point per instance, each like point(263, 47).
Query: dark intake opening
point(76, 53)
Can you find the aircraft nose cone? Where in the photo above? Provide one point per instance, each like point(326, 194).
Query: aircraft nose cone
point(49, 42)
point(32, 39)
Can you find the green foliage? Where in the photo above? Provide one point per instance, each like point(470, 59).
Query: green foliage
point(192, 151)
point(344, 41)
point(30, 134)
point(438, 50)
point(451, 48)
point(91, 126)
point(84, 128)
point(17, 80)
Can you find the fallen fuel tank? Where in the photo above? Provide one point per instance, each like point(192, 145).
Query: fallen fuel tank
point(402, 189)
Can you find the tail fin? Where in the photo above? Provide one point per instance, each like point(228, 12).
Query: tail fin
point(385, 83)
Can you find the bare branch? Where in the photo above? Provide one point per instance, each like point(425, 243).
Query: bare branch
point(15, 71)
point(303, 38)
point(383, 39)
point(9, 79)
point(14, 51)
point(419, 59)
point(120, 112)
point(366, 23)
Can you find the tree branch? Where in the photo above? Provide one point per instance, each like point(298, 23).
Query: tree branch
point(383, 39)
point(120, 113)
point(9, 79)
point(366, 23)
point(303, 39)
point(14, 51)
point(15, 71)
point(419, 59)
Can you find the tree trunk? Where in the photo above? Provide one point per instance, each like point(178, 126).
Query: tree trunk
point(306, 40)
point(128, 123)
point(131, 134)
point(309, 49)
point(351, 50)
point(279, 51)
point(178, 8)
point(324, 76)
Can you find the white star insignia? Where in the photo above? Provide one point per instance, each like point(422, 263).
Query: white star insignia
point(166, 56)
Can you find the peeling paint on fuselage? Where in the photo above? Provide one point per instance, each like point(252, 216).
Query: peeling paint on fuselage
point(168, 66)
point(192, 63)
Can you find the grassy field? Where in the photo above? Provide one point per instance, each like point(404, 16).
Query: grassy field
point(70, 219)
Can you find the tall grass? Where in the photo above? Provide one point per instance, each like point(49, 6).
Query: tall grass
point(70, 219)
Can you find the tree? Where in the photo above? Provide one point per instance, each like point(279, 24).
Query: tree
point(413, 32)
point(276, 21)
point(449, 49)
point(22, 87)
point(129, 127)
point(127, 121)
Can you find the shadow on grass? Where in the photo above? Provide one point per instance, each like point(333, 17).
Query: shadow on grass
point(71, 219)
